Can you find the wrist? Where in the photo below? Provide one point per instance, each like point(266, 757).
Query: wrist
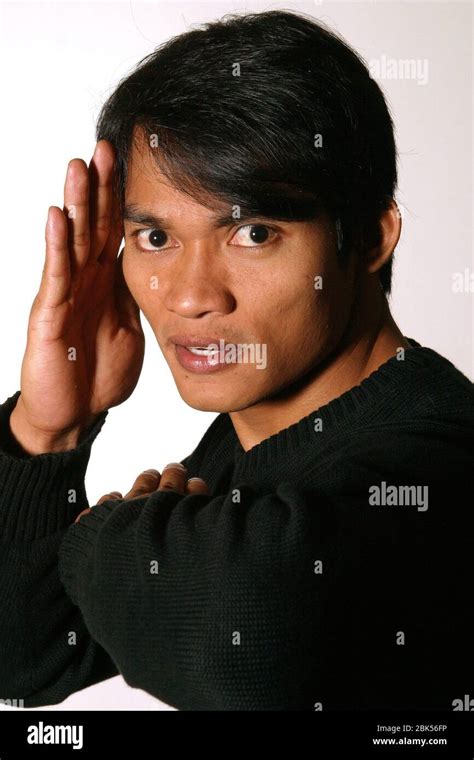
point(34, 441)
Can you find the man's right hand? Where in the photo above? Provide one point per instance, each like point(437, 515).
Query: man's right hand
point(85, 343)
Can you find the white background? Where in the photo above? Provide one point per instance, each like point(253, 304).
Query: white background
point(60, 60)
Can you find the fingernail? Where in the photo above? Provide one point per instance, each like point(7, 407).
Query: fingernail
point(175, 464)
point(189, 479)
point(152, 471)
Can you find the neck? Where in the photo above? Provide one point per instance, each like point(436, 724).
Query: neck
point(370, 340)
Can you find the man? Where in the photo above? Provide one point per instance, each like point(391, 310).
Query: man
point(314, 550)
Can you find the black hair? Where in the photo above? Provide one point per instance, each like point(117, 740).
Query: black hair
point(271, 112)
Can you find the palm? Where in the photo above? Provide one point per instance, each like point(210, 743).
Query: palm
point(85, 341)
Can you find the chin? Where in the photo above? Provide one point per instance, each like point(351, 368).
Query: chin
point(203, 404)
point(207, 399)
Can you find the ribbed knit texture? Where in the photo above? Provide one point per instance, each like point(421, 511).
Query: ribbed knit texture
point(282, 589)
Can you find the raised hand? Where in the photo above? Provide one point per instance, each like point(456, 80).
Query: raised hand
point(85, 343)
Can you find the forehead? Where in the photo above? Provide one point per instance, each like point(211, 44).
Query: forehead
point(144, 176)
point(151, 198)
point(146, 182)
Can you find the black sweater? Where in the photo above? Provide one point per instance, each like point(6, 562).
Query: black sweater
point(289, 586)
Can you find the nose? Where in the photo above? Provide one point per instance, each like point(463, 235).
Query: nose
point(196, 284)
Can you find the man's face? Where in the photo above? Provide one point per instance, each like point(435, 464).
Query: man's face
point(248, 285)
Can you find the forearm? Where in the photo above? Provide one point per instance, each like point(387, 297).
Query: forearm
point(46, 651)
point(278, 602)
point(196, 598)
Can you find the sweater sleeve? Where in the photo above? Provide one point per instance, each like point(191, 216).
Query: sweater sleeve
point(282, 600)
point(191, 595)
point(46, 651)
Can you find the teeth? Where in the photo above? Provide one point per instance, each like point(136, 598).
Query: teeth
point(202, 351)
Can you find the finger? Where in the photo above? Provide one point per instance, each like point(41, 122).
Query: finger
point(197, 485)
point(146, 482)
point(56, 276)
point(108, 496)
point(173, 478)
point(116, 231)
point(84, 512)
point(76, 210)
point(101, 172)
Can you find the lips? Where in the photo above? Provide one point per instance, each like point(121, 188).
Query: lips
point(187, 352)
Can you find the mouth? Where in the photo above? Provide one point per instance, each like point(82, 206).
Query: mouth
point(202, 351)
point(199, 354)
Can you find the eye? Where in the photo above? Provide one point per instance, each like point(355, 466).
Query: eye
point(256, 233)
point(247, 236)
point(151, 239)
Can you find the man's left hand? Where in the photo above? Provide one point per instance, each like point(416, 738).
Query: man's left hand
point(174, 478)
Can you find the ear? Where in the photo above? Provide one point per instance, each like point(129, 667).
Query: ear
point(390, 226)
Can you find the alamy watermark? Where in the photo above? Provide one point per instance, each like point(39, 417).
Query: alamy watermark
point(415, 69)
point(391, 495)
point(238, 353)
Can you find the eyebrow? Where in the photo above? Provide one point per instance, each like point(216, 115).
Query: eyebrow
point(132, 213)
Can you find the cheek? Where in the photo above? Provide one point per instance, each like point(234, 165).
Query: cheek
point(290, 322)
point(139, 282)
point(306, 319)
point(300, 303)
point(129, 270)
